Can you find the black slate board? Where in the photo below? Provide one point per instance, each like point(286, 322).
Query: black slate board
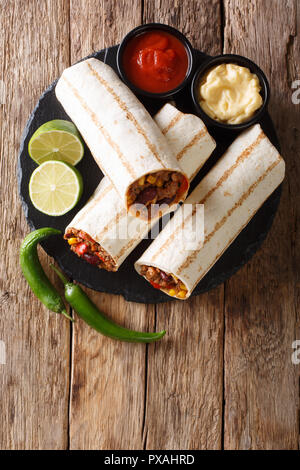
point(126, 281)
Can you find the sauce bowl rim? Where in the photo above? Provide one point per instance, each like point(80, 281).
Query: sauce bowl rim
point(163, 27)
point(244, 62)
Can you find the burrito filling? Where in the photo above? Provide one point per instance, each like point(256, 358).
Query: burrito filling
point(89, 250)
point(165, 281)
point(163, 187)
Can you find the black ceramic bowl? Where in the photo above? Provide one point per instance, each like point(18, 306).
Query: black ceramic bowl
point(150, 27)
point(233, 59)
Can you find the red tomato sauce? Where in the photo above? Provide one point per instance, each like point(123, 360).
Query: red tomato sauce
point(155, 61)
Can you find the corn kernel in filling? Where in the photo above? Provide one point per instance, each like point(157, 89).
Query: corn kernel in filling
point(168, 283)
point(162, 187)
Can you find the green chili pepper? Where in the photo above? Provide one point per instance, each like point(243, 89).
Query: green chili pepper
point(88, 311)
point(34, 273)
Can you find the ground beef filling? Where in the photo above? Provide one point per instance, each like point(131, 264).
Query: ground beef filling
point(89, 250)
point(164, 281)
point(163, 187)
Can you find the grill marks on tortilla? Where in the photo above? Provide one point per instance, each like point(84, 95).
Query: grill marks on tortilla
point(245, 154)
point(96, 201)
point(114, 220)
point(219, 224)
point(194, 140)
point(127, 247)
point(129, 115)
point(172, 123)
point(102, 129)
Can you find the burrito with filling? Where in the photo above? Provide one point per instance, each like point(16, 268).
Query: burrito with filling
point(103, 233)
point(230, 194)
point(126, 143)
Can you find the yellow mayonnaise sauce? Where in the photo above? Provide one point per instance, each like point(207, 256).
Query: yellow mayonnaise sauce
point(230, 93)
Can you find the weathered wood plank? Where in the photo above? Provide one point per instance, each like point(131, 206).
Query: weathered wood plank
point(185, 373)
point(199, 20)
point(261, 384)
point(34, 49)
point(108, 378)
point(184, 393)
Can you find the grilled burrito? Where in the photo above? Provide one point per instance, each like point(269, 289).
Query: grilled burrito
point(126, 143)
point(102, 232)
point(231, 193)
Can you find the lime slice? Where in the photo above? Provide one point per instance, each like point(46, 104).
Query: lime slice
point(55, 187)
point(56, 140)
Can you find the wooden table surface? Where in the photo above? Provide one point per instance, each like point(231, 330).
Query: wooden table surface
point(223, 377)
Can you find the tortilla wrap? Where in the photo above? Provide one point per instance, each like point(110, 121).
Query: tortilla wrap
point(123, 138)
point(232, 192)
point(105, 219)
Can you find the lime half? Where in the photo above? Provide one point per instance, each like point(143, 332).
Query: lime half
point(56, 140)
point(55, 187)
